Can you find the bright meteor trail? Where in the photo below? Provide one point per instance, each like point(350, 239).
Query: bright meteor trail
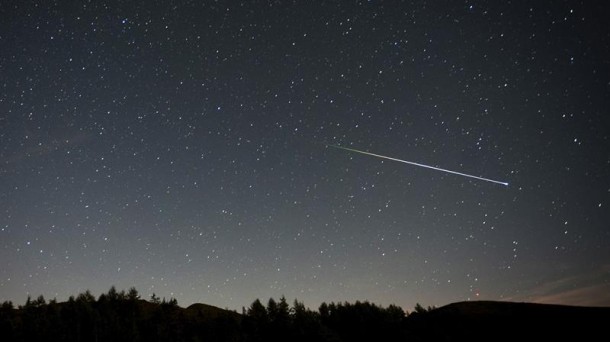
point(418, 164)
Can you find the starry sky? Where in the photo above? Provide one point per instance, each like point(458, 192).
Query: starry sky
point(182, 147)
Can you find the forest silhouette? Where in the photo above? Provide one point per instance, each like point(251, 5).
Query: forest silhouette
point(124, 316)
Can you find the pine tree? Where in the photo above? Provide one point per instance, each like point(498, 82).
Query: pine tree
point(112, 294)
point(272, 309)
point(133, 295)
point(40, 301)
point(419, 309)
point(154, 299)
point(257, 311)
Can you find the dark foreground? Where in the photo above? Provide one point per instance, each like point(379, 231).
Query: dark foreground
point(125, 317)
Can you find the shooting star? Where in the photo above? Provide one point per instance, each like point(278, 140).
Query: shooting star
point(418, 164)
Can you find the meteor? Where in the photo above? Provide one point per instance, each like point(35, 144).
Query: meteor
point(418, 164)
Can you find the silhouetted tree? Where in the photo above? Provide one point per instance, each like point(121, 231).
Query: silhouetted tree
point(170, 302)
point(298, 308)
point(40, 301)
point(154, 299)
point(283, 311)
point(306, 324)
point(117, 316)
point(272, 309)
point(279, 319)
point(256, 323)
point(8, 324)
point(133, 294)
point(7, 305)
point(258, 312)
point(395, 313)
point(419, 309)
point(112, 294)
point(28, 302)
point(324, 311)
point(85, 297)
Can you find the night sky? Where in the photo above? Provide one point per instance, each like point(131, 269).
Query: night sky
point(187, 149)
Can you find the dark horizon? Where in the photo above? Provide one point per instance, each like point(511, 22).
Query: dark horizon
point(124, 293)
point(124, 316)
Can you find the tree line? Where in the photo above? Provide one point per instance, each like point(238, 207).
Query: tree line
point(124, 316)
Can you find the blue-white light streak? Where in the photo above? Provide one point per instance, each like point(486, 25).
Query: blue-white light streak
point(420, 165)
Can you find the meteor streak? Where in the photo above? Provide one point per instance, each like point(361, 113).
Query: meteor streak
point(420, 165)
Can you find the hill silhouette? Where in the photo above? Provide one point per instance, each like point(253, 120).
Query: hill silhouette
point(121, 316)
point(507, 321)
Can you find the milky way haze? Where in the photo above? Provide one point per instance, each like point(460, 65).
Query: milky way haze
point(182, 148)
